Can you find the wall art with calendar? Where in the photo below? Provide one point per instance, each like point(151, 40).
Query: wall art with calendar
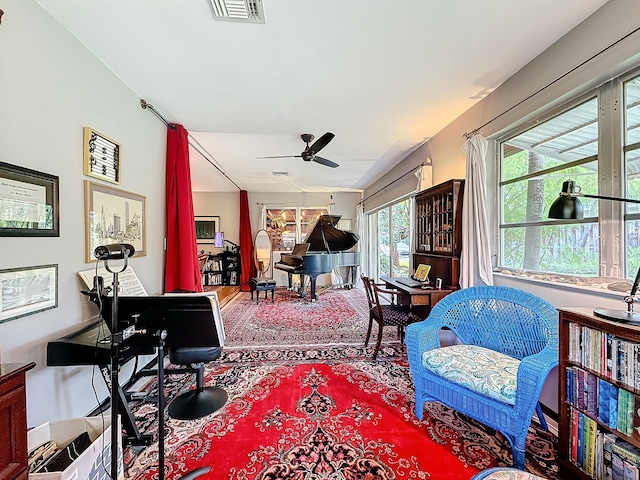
point(101, 156)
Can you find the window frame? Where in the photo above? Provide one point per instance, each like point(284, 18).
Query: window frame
point(610, 165)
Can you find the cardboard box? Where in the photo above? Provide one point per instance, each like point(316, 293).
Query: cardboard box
point(94, 463)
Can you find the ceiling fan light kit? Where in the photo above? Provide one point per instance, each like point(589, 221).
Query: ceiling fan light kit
point(309, 153)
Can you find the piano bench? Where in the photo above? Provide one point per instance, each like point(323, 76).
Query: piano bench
point(265, 285)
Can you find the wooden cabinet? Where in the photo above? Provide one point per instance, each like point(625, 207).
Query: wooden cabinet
point(13, 421)
point(598, 396)
point(438, 230)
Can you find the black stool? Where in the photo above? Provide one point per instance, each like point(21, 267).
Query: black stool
point(265, 285)
point(202, 400)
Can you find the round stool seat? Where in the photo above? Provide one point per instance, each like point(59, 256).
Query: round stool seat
point(189, 355)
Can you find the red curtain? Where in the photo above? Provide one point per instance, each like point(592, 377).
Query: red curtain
point(182, 272)
point(246, 243)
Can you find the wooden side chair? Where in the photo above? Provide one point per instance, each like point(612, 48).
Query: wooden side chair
point(383, 313)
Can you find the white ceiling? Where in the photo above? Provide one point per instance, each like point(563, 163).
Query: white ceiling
point(382, 75)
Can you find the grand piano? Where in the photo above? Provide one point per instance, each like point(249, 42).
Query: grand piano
point(326, 250)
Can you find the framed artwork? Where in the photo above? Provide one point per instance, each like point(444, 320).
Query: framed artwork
point(206, 229)
point(422, 273)
point(28, 290)
point(101, 156)
point(344, 224)
point(28, 203)
point(113, 216)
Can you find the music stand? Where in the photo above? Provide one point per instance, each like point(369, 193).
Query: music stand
point(123, 252)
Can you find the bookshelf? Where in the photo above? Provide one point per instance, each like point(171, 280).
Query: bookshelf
point(438, 230)
point(221, 269)
point(598, 397)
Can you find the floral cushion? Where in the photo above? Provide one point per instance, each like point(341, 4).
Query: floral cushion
point(504, 473)
point(485, 371)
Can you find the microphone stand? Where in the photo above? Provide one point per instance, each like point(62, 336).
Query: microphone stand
point(116, 339)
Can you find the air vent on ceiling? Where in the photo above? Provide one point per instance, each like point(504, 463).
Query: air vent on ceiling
point(238, 10)
point(280, 174)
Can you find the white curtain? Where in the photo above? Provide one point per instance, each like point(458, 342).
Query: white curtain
point(475, 261)
point(336, 274)
point(425, 176)
point(361, 228)
point(263, 217)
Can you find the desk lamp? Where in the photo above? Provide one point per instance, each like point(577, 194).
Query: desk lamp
point(568, 206)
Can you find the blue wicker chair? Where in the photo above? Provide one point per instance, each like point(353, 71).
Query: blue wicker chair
point(508, 344)
point(504, 473)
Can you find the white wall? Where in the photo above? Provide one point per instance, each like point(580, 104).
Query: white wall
point(50, 88)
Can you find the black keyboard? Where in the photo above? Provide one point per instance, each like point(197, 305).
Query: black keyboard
point(410, 282)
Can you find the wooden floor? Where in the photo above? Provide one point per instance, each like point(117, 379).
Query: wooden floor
point(225, 293)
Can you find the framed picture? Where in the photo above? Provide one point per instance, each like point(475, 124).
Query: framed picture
point(28, 203)
point(28, 290)
point(344, 224)
point(422, 273)
point(101, 156)
point(113, 216)
point(206, 229)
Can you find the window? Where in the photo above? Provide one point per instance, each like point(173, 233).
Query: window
point(632, 170)
point(389, 229)
point(583, 142)
point(288, 226)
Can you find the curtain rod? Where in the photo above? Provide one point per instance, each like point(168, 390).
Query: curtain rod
point(193, 143)
point(468, 135)
point(389, 184)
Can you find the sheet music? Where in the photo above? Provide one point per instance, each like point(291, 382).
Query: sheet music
point(128, 281)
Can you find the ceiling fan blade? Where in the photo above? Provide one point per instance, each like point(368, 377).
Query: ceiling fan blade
point(284, 156)
point(324, 161)
point(321, 143)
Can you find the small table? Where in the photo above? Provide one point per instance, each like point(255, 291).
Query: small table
point(419, 300)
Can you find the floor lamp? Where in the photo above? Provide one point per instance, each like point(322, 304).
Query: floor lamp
point(568, 206)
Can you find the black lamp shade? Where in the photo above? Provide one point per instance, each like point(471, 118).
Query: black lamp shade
point(566, 208)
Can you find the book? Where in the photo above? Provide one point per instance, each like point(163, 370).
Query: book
point(592, 394)
point(613, 406)
point(622, 410)
point(573, 447)
point(607, 472)
point(604, 401)
point(630, 470)
point(626, 451)
point(617, 466)
point(636, 417)
point(590, 463)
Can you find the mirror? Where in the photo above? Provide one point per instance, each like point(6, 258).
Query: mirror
point(262, 252)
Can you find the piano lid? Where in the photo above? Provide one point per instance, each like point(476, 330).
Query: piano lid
point(325, 237)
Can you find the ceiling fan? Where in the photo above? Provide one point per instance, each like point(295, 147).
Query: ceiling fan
point(309, 153)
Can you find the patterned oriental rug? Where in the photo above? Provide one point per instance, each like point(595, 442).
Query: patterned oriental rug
point(325, 413)
point(338, 317)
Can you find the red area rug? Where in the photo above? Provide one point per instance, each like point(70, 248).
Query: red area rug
point(300, 414)
point(338, 317)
